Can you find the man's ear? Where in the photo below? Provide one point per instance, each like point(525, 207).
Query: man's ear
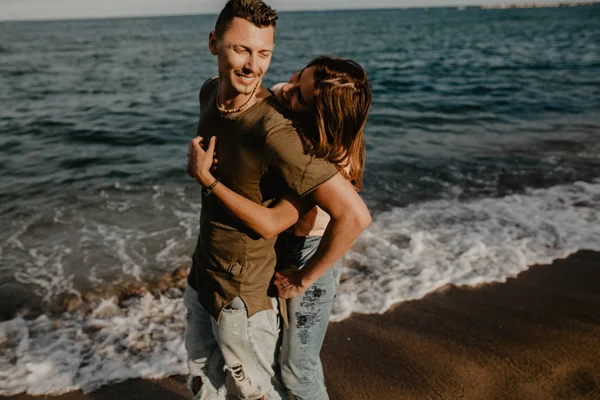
point(212, 43)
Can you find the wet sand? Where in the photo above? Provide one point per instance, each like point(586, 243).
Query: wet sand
point(534, 337)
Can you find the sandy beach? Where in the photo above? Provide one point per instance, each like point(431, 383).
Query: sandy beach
point(534, 337)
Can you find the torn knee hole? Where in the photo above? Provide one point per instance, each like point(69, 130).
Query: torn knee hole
point(237, 371)
point(196, 384)
point(243, 383)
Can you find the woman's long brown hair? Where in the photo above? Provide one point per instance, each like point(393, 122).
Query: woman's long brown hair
point(342, 99)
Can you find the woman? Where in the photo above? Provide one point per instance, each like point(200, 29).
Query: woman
point(330, 98)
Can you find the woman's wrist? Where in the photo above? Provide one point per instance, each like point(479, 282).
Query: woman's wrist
point(301, 280)
point(207, 191)
point(206, 179)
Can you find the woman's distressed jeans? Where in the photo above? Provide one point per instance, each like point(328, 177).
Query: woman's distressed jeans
point(308, 316)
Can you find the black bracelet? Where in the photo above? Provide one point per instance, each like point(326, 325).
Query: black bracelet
point(208, 190)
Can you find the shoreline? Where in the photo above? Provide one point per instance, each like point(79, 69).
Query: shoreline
point(534, 336)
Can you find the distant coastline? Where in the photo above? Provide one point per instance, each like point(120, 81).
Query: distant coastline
point(538, 5)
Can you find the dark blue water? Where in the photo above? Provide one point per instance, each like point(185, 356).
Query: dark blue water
point(96, 116)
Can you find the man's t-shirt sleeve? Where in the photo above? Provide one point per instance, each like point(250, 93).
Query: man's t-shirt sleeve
point(285, 155)
point(207, 90)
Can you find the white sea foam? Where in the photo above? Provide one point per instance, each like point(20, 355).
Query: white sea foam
point(70, 250)
point(409, 252)
point(86, 350)
point(405, 254)
point(46, 272)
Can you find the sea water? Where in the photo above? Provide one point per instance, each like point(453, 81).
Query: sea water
point(483, 158)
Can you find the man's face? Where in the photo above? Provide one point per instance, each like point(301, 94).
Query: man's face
point(244, 54)
point(297, 94)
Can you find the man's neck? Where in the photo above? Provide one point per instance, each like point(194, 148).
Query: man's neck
point(231, 99)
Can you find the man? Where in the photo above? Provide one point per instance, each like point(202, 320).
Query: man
point(261, 157)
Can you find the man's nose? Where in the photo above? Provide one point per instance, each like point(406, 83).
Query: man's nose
point(251, 63)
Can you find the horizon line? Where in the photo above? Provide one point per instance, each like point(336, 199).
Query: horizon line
point(93, 18)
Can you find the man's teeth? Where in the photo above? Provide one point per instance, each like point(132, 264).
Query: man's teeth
point(246, 78)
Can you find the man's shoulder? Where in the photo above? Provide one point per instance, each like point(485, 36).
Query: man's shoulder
point(276, 118)
point(208, 88)
point(266, 118)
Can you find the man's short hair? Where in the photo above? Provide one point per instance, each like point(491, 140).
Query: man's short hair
point(254, 11)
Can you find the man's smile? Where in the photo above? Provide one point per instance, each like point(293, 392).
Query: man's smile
point(245, 78)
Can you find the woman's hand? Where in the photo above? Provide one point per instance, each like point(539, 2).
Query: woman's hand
point(200, 163)
point(288, 283)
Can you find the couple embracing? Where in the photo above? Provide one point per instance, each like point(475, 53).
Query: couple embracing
point(280, 168)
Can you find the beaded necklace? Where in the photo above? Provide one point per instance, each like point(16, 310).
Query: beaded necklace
point(224, 110)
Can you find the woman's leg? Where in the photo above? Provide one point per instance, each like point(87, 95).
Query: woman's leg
point(308, 316)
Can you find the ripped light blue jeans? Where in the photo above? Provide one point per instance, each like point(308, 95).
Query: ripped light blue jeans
point(308, 314)
point(246, 348)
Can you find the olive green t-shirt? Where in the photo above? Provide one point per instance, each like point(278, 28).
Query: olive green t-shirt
point(261, 157)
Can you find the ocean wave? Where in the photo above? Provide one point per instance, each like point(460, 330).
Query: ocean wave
point(411, 251)
point(143, 338)
point(406, 253)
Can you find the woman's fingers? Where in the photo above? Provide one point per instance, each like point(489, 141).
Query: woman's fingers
point(200, 159)
point(281, 278)
point(197, 143)
point(211, 145)
point(203, 144)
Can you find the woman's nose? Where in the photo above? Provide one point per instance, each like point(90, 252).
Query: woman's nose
point(288, 87)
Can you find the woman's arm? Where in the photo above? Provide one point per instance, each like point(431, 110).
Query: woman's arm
point(268, 222)
point(349, 217)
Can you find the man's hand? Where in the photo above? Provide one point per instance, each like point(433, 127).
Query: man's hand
point(288, 283)
point(200, 162)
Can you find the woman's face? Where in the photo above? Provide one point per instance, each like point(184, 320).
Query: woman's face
point(297, 94)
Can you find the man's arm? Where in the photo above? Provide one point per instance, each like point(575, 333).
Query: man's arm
point(349, 217)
